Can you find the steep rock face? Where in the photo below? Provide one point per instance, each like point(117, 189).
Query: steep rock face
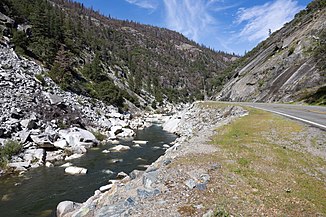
point(284, 67)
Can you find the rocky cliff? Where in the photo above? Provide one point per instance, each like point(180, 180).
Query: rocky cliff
point(288, 66)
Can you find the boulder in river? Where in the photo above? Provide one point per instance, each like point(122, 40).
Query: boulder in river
point(66, 165)
point(75, 170)
point(119, 148)
point(74, 156)
point(78, 137)
point(140, 142)
point(106, 151)
point(115, 142)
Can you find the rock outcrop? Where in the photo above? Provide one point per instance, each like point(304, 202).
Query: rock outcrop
point(50, 123)
point(284, 67)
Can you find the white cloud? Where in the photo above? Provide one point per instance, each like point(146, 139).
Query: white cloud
point(259, 19)
point(190, 17)
point(146, 4)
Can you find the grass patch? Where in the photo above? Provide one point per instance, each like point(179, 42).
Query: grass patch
point(221, 212)
point(282, 176)
point(212, 105)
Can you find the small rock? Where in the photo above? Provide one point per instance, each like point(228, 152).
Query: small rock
point(147, 193)
point(19, 165)
point(62, 144)
point(28, 124)
point(215, 166)
point(106, 188)
point(190, 183)
point(106, 151)
point(23, 135)
point(121, 175)
point(204, 178)
point(135, 174)
point(65, 207)
point(54, 156)
point(43, 140)
point(201, 186)
point(167, 162)
point(109, 172)
point(210, 213)
point(149, 178)
point(48, 164)
point(115, 142)
point(74, 156)
point(116, 130)
point(54, 99)
point(139, 142)
point(66, 165)
point(166, 146)
point(129, 202)
point(116, 161)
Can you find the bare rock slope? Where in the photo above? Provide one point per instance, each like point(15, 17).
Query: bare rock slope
point(285, 67)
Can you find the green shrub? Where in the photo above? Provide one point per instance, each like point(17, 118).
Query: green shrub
point(154, 105)
point(62, 124)
point(9, 149)
point(221, 213)
point(319, 53)
point(291, 50)
point(40, 78)
point(99, 136)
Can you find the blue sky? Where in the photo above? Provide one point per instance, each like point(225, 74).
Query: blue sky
point(228, 25)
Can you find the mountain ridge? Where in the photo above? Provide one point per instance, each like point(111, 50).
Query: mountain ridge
point(83, 49)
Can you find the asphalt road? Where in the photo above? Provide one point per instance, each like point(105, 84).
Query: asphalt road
point(313, 115)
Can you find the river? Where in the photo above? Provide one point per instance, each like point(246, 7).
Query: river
point(39, 190)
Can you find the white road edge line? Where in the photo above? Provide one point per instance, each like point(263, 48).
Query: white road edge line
point(293, 117)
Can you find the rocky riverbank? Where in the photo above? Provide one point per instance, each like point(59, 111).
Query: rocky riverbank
point(165, 186)
point(48, 123)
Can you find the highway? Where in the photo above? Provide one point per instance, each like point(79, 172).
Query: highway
point(313, 115)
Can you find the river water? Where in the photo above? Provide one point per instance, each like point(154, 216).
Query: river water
point(38, 192)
